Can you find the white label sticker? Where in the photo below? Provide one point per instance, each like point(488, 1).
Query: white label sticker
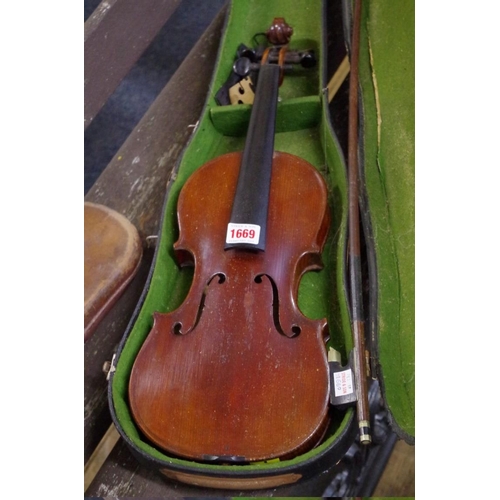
point(343, 383)
point(243, 233)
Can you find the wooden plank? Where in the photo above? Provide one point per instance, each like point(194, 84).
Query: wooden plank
point(135, 180)
point(100, 455)
point(136, 188)
point(398, 478)
point(115, 36)
point(99, 349)
point(338, 78)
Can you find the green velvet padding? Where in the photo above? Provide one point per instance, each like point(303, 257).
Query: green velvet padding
point(321, 294)
point(387, 74)
point(293, 114)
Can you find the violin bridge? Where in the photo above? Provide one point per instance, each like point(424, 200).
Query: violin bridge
point(242, 92)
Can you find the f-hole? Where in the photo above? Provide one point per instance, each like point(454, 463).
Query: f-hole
point(295, 330)
point(177, 328)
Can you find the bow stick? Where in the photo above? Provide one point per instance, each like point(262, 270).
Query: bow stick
point(358, 325)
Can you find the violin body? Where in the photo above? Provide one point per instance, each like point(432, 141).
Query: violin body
point(237, 373)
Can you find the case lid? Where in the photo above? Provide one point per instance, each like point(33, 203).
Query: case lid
point(387, 80)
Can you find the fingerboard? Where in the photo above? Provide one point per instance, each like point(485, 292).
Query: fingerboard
point(247, 225)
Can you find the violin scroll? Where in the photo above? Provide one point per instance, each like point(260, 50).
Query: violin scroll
point(279, 33)
point(249, 61)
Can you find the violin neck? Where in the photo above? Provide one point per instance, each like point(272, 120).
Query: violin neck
point(251, 200)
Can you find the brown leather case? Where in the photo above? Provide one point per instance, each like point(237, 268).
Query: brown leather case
point(113, 252)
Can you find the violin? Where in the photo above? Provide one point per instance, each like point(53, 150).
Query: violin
point(237, 373)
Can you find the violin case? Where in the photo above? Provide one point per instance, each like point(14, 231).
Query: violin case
point(304, 128)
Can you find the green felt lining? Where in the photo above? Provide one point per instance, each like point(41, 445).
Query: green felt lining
point(293, 114)
point(387, 77)
point(321, 294)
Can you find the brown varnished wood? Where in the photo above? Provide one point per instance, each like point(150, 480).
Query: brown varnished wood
point(237, 372)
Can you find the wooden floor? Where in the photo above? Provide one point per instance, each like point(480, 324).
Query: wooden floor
point(398, 479)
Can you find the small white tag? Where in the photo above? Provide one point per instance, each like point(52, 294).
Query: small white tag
point(343, 383)
point(243, 233)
